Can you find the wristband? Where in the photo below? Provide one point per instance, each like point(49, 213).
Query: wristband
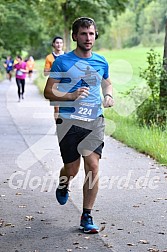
point(108, 95)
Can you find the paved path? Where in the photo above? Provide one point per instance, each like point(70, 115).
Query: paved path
point(131, 207)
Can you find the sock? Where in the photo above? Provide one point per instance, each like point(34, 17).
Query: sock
point(86, 211)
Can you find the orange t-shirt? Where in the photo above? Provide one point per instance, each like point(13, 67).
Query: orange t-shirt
point(49, 61)
point(30, 65)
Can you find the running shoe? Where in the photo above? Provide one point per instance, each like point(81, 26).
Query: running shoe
point(62, 195)
point(87, 224)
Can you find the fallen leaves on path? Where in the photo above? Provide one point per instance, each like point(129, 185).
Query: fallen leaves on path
point(153, 250)
point(1, 223)
point(131, 244)
point(40, 212)
point(143, 242)
point(18, 193)
point(8, 225)
point(87, 237)
point(22, 206)
point(102, 228)
point(29, 218)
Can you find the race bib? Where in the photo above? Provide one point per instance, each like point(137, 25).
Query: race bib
point(19, 73)
point(85, 111)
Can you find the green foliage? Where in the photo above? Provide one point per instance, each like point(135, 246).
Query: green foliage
point(153, 39)
point(21, 25)
point(153, 73)
point(123, 29)
point(30, 25)
point(150, 111)
point(141, 23)
point(152, 17)
point(133, 40)
point(67, 11)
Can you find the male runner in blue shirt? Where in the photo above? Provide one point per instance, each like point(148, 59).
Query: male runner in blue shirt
point(75, 82)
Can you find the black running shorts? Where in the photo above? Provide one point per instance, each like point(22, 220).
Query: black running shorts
point(79, 138)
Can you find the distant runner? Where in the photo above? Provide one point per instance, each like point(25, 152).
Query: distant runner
point(8, 64)
point(30, 66)
point(57, 45)
point(21, 70)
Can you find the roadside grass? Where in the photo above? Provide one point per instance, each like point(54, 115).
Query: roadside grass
point(2, 75)
point(125, 65)
point(40, 81)
point(150, 141)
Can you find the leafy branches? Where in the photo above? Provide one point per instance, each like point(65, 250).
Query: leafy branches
point(20, 25)
point(150, 112)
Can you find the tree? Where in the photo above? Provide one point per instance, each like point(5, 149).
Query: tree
point(163, 83)
point(67, 11)
point(123, 31)
point(149, 112)
point(21, 25)
point(97, 9)
point(137, 6)
point(153, 17)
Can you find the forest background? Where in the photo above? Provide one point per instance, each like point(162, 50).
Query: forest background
point(29, 25)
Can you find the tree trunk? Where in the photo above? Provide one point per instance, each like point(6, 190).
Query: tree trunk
point(67, 41)
point(163, 84)
point(165, 49)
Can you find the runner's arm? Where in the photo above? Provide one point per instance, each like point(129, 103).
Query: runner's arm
point(107, 91)
point(47, 67)
point(46, 71)
point(52, 93)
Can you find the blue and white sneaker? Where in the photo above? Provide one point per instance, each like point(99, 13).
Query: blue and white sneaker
point(62, 195)
point(87, 224)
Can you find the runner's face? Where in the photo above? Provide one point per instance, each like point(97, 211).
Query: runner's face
point(18, 60)
point(58, 44)
point(85, 38)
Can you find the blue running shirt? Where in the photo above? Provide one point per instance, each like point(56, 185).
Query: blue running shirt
point(73, 73)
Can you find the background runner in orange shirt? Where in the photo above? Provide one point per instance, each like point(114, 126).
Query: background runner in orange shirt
point(57, 45)
point(30, 66)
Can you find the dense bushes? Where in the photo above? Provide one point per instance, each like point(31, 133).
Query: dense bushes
point(151, 111)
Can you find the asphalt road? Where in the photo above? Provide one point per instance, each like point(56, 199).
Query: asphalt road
point(131, 207)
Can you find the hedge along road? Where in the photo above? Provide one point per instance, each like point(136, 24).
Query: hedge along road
point(131, 204)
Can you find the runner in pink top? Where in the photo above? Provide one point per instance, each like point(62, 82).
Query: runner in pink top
point(21, 70)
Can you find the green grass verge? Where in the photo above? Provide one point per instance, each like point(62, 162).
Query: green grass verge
point(40, 81)
point(150, 141)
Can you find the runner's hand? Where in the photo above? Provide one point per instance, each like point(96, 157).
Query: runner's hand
point(81, 93)
point(108, 101)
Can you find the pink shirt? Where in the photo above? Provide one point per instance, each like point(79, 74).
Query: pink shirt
point(19, 74)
